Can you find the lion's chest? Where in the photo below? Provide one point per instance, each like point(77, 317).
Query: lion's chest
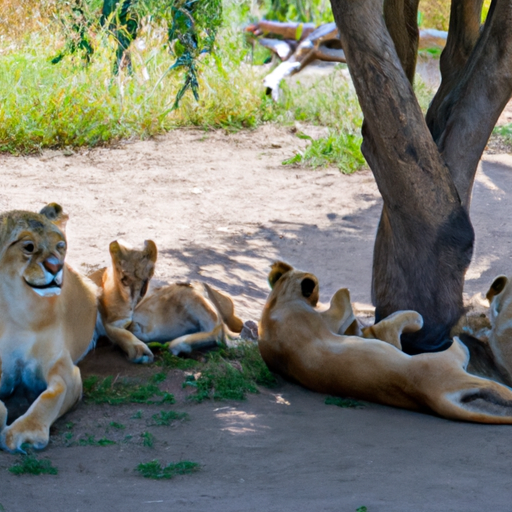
point(20, 373)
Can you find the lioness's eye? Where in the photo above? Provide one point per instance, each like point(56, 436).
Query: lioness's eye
point(61, 245)
point(125, 281)
point(28, 247)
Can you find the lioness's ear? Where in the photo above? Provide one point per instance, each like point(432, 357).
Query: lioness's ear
point(150, 250)
point(56, 215)
point(279, 268)
point(496, 287)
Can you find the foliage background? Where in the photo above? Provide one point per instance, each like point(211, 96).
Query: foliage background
point(69, 104)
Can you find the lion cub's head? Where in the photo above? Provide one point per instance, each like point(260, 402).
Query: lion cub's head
point(32, 250)
point(133, 268)
point(293, 284)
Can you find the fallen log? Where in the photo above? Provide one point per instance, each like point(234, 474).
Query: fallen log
point(299, 44)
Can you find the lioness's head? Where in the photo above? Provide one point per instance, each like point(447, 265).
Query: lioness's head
point(133, 268)
point(33, 248)
point(293, 284)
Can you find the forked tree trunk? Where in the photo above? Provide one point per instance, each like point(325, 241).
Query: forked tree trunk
point(425, 172)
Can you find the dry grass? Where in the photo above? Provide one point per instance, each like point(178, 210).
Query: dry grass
point(21, 17)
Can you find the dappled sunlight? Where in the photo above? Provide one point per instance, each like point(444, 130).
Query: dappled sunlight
point(479, 266)
point(238, 422)
point(482, 178)
point(280, 400)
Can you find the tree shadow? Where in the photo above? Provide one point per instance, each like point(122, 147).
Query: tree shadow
point(339, 252)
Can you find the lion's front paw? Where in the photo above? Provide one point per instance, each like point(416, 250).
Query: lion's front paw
point(14, 436)
point(140, 353)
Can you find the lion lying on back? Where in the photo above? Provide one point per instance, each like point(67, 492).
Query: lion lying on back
point(303, 343)
point(189, 316)
point(47, 318)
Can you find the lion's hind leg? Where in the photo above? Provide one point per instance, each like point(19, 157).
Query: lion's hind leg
point(64, 388)
point(340, 318)
point(390, 329)
point(197, 341)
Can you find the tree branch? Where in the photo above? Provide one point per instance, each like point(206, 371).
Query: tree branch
point(401, 19)
point(463, 34)
point(473, 106)
point(397, 143)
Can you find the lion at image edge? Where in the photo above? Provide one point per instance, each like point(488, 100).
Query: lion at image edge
point(306, 343)
point(47, 323)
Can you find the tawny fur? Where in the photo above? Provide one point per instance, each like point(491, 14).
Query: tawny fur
point(123, 285)
point(301, 342)
point(188, 316)
point(47, 318)
point(499, 296)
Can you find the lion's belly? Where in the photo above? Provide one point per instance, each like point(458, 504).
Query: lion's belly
point(163, 332)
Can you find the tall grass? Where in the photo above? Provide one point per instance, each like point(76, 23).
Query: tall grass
point(45, 105)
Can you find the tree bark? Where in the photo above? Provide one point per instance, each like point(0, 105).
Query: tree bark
point(425, 239)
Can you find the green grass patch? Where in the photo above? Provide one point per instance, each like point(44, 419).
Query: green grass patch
point(164, 418)
point(229, 374)
point(117, 426)
point(108, 391)
point(148, 439)
point(327, 100)
point(91, 440)
point(169, 361)
point(505, 133)
point(343, 402)
point(362, 509)
point(155, 470)
point(340, 149)
point(31, 465)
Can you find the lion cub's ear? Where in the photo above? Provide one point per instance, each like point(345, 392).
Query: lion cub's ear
point(497, 287)
point(279, 268)
point(150, 250)
point(56, 215)
point(116, 249)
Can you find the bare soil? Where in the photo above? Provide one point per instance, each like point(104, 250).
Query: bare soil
point(221, 208)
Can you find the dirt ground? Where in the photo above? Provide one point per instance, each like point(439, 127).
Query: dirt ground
point(221, 208)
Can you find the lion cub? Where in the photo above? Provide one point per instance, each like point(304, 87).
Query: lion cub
point(123, 285)
point(188, 316)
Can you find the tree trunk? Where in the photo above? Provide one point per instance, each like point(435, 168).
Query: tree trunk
point(425, 239)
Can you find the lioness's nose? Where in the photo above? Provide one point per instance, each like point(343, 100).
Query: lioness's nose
point(53, 265)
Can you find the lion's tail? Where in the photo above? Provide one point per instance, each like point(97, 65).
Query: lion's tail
point(472, 398)
point(487, 402)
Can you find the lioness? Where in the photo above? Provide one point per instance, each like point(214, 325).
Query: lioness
point(47, 318)
point(189, 316)
point(302, 342)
